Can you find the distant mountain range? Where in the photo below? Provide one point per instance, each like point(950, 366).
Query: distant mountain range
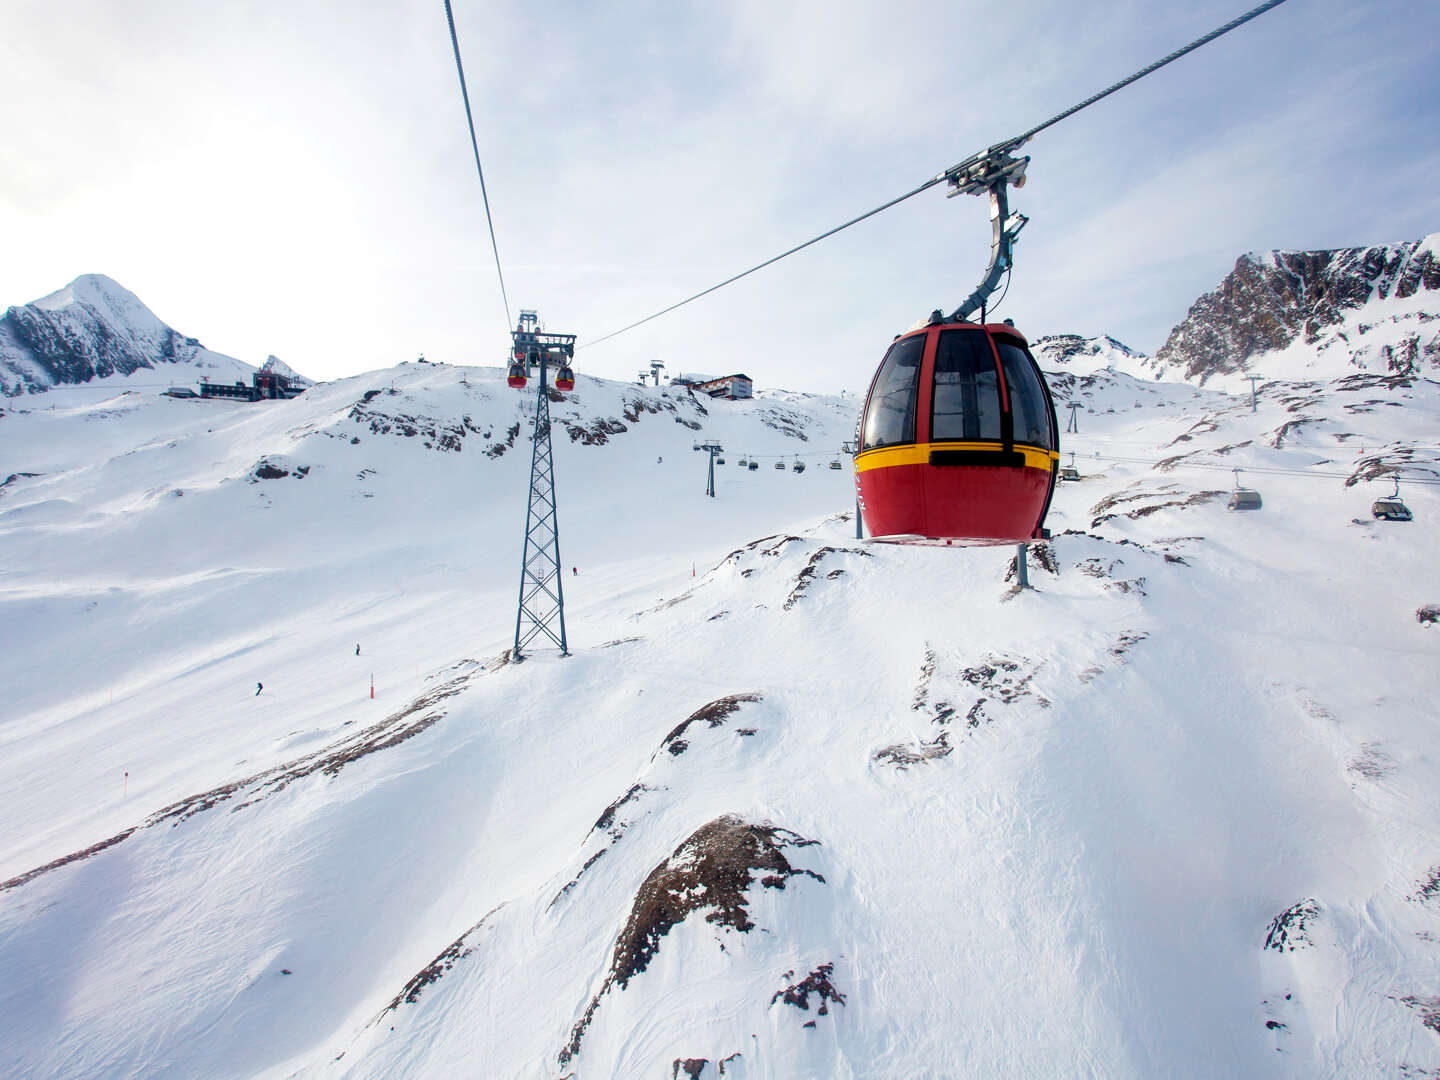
point(1312, 314)
point(94, 328)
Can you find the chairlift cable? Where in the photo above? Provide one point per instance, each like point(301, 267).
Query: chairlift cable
point(942, 177)
point(474, 145)
point(1264, 470)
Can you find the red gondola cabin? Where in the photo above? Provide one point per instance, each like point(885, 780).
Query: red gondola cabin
point(958, 440)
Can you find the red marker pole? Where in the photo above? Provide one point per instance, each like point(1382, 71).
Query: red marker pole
point(372, 686)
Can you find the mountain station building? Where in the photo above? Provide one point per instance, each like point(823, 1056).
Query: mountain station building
point(726, 386)
point(263, 385)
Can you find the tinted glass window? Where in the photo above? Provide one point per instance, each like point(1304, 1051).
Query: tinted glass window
point(890, 414)
point(966, 403)
point(1027, 397)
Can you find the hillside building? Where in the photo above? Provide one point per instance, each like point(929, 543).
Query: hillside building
point(726, 386)
point(269, 385)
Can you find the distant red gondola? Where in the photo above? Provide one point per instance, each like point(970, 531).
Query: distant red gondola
point(565, 378)
point(958, 441)
point(516, 376)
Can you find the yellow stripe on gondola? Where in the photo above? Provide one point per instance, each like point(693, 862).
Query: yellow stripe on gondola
point(885, 457)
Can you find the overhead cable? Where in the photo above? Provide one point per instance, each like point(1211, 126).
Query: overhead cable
point(942, 177)
point(1169, 464)
point(1156, 66)
point(474, 145)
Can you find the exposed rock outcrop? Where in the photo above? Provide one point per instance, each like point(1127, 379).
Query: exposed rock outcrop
point(1269, 301)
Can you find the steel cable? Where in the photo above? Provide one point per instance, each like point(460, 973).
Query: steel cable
point(474, 145)
point(941, 177)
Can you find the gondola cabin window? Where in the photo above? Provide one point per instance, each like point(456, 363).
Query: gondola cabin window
point(890, 419)
point(1027, 397)
point(966, 403)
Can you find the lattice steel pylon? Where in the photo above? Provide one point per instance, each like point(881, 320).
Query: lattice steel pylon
point(542, 595)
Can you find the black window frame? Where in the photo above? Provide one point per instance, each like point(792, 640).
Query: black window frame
point(1000, 400)
point(1038, 393)
point(907, 343)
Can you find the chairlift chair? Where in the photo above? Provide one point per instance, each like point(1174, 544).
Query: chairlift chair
point(799, 465)
point(835, 464)
point(1070, 472)
point(1243, 498)
point(753, 466)
point(1390, 508)
point(780, 465)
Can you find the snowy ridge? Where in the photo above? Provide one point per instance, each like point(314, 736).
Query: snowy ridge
point(1086, 356)
point(826, 807)
point(94, 328)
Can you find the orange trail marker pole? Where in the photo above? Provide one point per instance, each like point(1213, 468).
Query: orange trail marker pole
point(372, 686)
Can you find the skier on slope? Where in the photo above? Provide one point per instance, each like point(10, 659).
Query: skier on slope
point(258, 687)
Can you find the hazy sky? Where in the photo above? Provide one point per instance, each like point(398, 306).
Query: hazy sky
point(296, 178)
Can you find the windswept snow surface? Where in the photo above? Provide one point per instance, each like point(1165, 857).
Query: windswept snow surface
point(827, 808)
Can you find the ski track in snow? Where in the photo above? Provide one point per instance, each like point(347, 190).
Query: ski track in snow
point(1055, 828)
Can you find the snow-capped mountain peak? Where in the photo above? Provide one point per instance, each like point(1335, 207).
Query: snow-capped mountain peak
point(104, 296)
point(1085, 356)
point(277, 366)
point(95, 328)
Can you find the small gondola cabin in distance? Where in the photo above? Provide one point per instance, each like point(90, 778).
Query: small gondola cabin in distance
point(958, 440)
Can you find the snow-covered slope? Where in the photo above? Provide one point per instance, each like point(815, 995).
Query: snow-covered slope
point(94, 328)
point(825, 808)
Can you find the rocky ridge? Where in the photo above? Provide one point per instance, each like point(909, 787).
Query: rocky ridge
point(1354, 308)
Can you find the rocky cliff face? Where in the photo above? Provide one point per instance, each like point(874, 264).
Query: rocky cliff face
point(1355, 308)
point(91, 329)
